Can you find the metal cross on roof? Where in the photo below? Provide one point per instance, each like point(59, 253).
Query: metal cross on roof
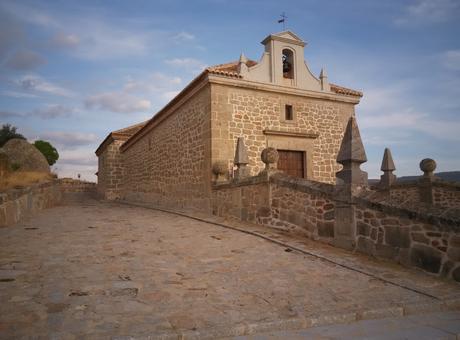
point(283, 20)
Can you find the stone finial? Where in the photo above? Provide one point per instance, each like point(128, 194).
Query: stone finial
point(324, 81)
point(425, 186)
point(270, 158)
point(388, 166)
point(242, 66)
point(241, 159)
point(351, 155)
point(428, 166)
point(220, 170)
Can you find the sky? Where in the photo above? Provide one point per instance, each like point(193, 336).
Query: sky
point(73, 71)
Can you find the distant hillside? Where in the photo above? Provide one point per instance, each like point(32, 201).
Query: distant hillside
point(451, 176)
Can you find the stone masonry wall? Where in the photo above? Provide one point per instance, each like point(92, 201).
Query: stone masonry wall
point(405, 193)
point(423, 238)
point(424, 241)
point(244, 112)
point(298, 204)
point(16, 204)
point(76, 186)
point(445, 194)
point(291, 204)
point(170, 165)
point(111, 171)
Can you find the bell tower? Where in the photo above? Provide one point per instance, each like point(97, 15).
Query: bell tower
point(283, 64)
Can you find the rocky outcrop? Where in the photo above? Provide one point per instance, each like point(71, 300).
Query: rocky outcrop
point(25, 156)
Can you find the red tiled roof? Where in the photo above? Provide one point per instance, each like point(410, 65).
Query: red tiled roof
point(231, 70)
point(128, 131)
point(122, 134)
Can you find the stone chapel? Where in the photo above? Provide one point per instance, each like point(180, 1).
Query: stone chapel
point(275, 102)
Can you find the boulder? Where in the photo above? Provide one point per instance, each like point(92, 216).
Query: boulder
point(25, 156)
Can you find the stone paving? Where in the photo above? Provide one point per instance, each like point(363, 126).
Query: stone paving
point(100, 270)
point(432, 326)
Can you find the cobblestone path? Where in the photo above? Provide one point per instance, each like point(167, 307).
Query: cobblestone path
point(99, 270)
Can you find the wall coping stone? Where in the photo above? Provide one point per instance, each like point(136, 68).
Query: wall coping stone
point(240, 183)
point(422, 212)
point(14, 193)
point(302, 184)
point(437, 182)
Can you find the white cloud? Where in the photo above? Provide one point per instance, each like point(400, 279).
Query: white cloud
point(170, 95)
point(90, 36)
point(189, 64)
point(118, 102)
point(155, 83)
point(72, 162)
point(24, 60)
point(10, 114)
point(65, 40)
point(53, 111)
point(34, 83)
point(48, 112)
point(429, 11)
point(451, 59)
point(68, 140)
point(15, 94)
point(184, 36)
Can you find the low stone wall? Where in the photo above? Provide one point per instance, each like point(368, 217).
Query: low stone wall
point(302, 205)
point(16, 204)
point(415, 235)
point(247, 200)
point(423, 239)
point(444, 194)
point(70, 185)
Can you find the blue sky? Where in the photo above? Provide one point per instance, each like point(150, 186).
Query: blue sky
point(71, 72)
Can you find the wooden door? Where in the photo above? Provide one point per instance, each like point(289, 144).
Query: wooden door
point(292, 162)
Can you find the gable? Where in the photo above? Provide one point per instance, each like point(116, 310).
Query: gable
point(288, 35)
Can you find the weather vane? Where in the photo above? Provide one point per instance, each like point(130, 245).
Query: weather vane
point(283, 20)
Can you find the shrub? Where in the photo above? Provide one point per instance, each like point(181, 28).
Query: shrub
point(47, 150)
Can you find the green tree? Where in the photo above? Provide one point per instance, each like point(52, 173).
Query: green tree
point(8, 132)
point(47, 150)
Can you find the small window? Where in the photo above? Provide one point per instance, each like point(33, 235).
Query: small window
point(288, 113)
point(288, 64)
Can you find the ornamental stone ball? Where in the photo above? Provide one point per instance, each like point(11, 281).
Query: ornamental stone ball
point(269, 156)
point(428, 165)
point(219, 169)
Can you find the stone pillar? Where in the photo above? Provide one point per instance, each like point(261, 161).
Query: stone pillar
point(242, 66)
point(323, 81)
point(428, 166)
point(270, 158)
point(220, 171)
point(349, 181)
point(241, 160)
point(388, 166)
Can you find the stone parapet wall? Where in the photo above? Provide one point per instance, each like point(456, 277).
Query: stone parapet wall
point(16, 204)
point(76, 186)
point(247, 200)
point(423, 239)
point(415, 235)
point(302, 205)
point(445, 195)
